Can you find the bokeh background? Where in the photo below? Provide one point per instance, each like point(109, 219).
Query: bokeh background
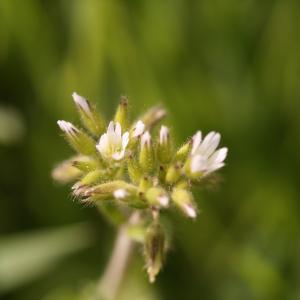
point(231, 66)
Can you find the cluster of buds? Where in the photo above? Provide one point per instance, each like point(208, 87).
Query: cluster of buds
point(122, 167)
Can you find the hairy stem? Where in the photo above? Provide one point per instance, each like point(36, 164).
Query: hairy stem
point(111, 279)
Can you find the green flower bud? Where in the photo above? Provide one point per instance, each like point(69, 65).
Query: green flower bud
point(154, 249)
point(134, 169)
point(164, 147)
point(157, 196)
point(86, 165)
point(174, 172)
point(80, 141)
point(122, 114)
point(146, 157)
point(183, 151)
point(185, 202)
point(114, 189)
point(65, 171)
point(145, 184)
point(91, 119)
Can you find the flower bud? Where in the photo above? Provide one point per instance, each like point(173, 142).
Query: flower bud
point(145, 184)
point(146, 157)
point(134, 170)
point(121, 116)
point(184, 201)
point(80, 141)
point(89, 116)
point(173, 173)
point(164, 147)
point(153, 116)
point(157, 196)
point(65, 172)
point(154, 248)
point(183, 151)
point(86, 165)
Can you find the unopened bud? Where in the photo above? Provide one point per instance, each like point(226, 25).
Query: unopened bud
point(183, 151)
point(145, 184)
point(80, 141)
point(153, 116)
point(121, 116)
point(185, 202)
point(65, 172)
point(157, 196)
point(134, 169)
point(164, 147)
point(173, 173)
point(91, 119)
point(146, 157)
point(154, 249)
point(86, 165)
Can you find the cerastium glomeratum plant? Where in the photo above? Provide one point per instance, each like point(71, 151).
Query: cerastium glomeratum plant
point(132, 175)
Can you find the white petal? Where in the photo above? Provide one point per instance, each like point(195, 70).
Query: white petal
point(103, 146)
point(66, 127)
point(163, 135)
point(110, 128)
point(198, 163)
point(146, 139)
point(125, 140)
point(214, 167)
point(196, 141)
point(209, 144)
point(139, 128)
point(118, 155)
point(219, 156)
point(81, 102)
point(118, 129)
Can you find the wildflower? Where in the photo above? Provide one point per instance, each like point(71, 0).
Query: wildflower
point(204, 158)
point(113, 144)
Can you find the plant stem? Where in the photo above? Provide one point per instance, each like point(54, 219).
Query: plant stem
point(111, 280)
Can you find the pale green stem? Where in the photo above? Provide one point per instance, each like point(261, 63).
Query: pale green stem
point(113, 275)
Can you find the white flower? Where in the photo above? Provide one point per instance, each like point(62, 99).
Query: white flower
point(138, 129)
point(120, 193)
point(204, 158)
point(163, 135)
point(113, 144)
point(82, 103)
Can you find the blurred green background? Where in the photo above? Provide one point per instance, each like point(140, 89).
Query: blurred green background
point(231, 66)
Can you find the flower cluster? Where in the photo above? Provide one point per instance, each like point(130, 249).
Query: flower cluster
point(123, 167)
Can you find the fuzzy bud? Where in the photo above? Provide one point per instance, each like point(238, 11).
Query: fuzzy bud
point(184, 201)
point(80, 141)
point(122, 113)
point(173, 173)
point(157, 196)
point(91, 119)
point(146, 157)
point(164, 147)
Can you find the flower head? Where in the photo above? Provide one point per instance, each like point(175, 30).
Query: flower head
point(112, 144)
point(138, 129)
point(204, 157)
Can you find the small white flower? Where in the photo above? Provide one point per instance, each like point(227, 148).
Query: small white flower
point(81, 103)
point(67, 127)
point(120, 193)
point(204, 158)
point(112, 144)
point(146, 140)
point(163, 135)
point(138, 129)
